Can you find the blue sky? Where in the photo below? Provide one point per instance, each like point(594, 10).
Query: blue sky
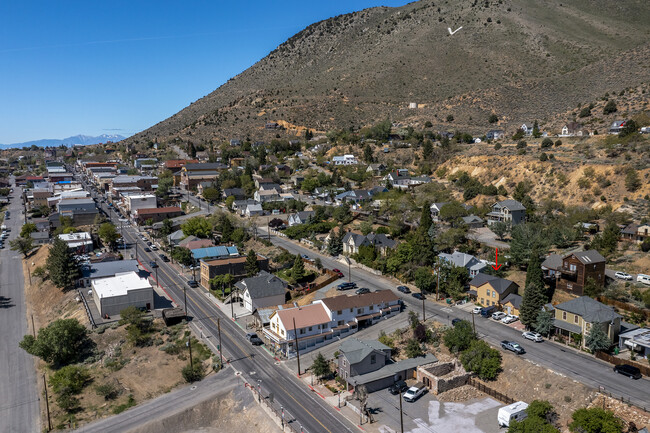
point(94, 67)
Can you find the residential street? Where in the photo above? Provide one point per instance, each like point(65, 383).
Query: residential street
point(19, 399)
point(256, 365)
point(580, 366)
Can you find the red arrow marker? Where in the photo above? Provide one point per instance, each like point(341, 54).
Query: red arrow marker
point(496, 268)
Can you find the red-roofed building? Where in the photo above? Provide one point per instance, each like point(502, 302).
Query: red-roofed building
point(156, 214)
point(177, 164)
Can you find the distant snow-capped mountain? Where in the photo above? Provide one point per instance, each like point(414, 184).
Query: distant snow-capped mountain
point(70, 141)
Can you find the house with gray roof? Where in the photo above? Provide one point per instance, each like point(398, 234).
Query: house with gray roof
point(352, 242)
point(580, 269)
point(361, 356)
point(508, 211)
point(300, 217)
point(462, 260)
point(473, 221)
point(261, 291)
point(106, 270)
point(579, 315)
point(491, 290)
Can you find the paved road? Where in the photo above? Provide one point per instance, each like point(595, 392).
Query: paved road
point(255, 364)
point(19, 399)
point(576, 365)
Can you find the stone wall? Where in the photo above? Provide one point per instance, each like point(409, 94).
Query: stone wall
point(443, 376)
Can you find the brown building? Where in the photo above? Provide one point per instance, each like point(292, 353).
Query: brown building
point(577, 268)
point(234, 266)
point(177, 164)
point(157, 214)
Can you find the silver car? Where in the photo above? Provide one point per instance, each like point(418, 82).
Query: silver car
point(532, 336)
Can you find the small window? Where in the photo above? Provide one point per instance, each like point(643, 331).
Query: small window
point(325, 326)
point(372, 307)
point(488, 292)
point(310, 328)
point(351, 309)
point(563, 315)
point(373, 359)
point(572, 267)
point(339, 312)
point(359, 310)
point(575, 319)
point(494, 294)
point(302, 330)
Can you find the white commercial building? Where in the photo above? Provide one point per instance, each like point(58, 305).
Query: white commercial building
point(344, 160)
point(140, 201)
point(78, 241)
point(114, 294)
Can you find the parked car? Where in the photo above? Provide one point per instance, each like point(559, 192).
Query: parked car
point(163, 257)
point(153, 264)
point(346, 286)
point(362, 290)
point(532, 336)
point(147, 250)
point(476, 310)
point(398, 387)
point(403, 289)
point(512, 346)
point(254, 339)
point(487, 311)
point(414, 392)
point(623, 275)
point(628, 370)
point(498, 315)
point(339, 274)
point(192, 283)
point(510, 318)
point(454, 322)
point(418, 295)
point(154, 248)
point(338, 271)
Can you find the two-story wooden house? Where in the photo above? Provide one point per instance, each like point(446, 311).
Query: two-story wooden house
point(580, 267)
point(579, 315)
point(508, 211)
point(361, 356)
point(491, 290)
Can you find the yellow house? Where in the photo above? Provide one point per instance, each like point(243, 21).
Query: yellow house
point(579, 315)
point(512, 304)
point(491, 290)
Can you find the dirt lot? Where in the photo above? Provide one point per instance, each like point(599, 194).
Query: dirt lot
point(140, 372)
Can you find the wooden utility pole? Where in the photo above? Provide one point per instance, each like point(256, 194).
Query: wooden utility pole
point(220, 346)
point(401, 414)
point(295, 337)
point(189, 344)
point(33, 327)
point(47, 405)
point(473, 324)
point(423, 316)
point(185, 301)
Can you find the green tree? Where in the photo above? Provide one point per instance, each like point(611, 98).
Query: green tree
point(197, 226)
point(21, 245)
point(427, 150)
point(544, 322)
point(108, 234)
point(500, 229)
point(298, 269)
point(229, 201)
point(536, 132)
point(632, 181)
point(493, 118)
point(335, 245)
point(607, 241)
point(413, 348)
point(67, 383)
point(597, 339)
point(193, 373)
point(540, 417)
point(595, 420)
point(592, 288)
point(27, 230)
point(320, 366)
point(460, 337)
point(167, 227)
point(425, 280)
point(610, 107)
point(183, 256)
point(61, 267)
point(630, 127)
point(533, 300)
point(481, 359)
point(251, 267)
point(59, 343)
point(367, 154)
point(527, 238)
point(211, 194)
point(452, 212)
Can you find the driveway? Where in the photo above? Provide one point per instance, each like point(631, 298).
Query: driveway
point(485, 236)
point(427, 414)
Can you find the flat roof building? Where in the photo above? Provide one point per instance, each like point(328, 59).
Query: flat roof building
point(114, 294)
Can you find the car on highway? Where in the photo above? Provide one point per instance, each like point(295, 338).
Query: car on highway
point(362, 290)
point(338, 271)
point(346, 286)
point(498, 315)
point(192, 283)
point(398, 387)
point(154, 248)
point(403, 289)
point(418, 295)
point(340, 274)
point(628, 370)
point(510, 318)
point(623, 275)
point(513, 347)
point(153, 264)
point(532, 336)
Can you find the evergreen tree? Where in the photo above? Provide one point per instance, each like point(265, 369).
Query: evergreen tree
point(534, 293)
point(298, 270)
point(320, 367)
point(62, 268)
point(335, 246)
point(544, 322)
point(597, 339)
point(251, 266)
point(427, 150)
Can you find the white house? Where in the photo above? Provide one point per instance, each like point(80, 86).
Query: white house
point(527, 128)
point(254, 210)
point(261, 291)
point(300, 217)
point(344, 160)
point(78, 241)
point(360, 309)
point(467, 261)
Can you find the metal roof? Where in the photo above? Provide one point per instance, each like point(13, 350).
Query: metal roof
point(589, 309)
point(357, 350)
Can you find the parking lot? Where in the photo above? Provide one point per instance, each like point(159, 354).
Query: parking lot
point(429, 415)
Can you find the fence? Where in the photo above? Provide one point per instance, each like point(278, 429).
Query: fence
point(625, 306)
point(489, 391)
point(645, 369)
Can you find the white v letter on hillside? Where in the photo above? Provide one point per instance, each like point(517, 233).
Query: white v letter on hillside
point(452, 33)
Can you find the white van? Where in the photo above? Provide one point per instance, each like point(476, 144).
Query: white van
point(642, 278)
point(513, 412)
